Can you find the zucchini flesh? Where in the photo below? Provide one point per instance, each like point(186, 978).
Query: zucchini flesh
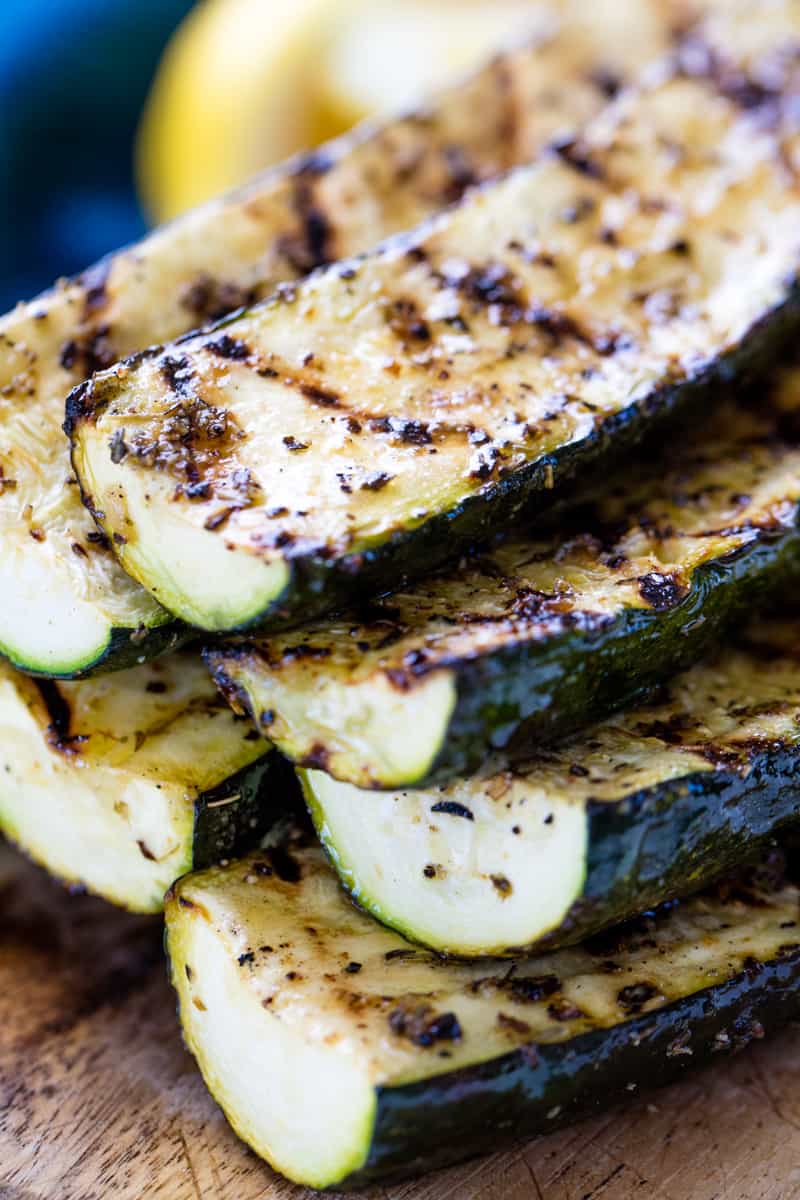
point(650, 805)
point(345, 1056)
point(541, 635)
point(120, 784)
point(68, 607)
point(364, 424)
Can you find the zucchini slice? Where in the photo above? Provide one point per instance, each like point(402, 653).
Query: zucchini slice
point(68, 607)
point(364, 424)
point(345, 1056)
point(120, 784)
point(539, 637)
point(650, 805)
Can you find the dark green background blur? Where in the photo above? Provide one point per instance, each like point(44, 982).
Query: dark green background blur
point(73, 77)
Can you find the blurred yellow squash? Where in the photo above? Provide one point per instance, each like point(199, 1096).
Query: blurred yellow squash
point(243, 83)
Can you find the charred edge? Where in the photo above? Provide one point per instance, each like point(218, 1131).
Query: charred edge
point(661, 592)
point(80, 406)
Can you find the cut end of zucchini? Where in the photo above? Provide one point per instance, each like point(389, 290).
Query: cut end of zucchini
point(343, 1055)
point(538, 637)
point(104, 781)
point(217, 259)
point(650, 804)
point(308, 1114)
point(373, 731)
point(230, 587)
point(480, 868)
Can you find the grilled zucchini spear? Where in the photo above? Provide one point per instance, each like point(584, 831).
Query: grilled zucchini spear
point(68, 608)
point(345, 1056)
point(365, 423)
point(541, 636)
point(648, 806)
point(122, 784)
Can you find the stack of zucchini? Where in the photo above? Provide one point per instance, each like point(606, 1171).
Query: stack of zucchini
point(468, 495)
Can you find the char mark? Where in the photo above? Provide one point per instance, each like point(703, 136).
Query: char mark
point(453, 809)
point(320, 395)
point(661, 591)
point(59, 712)
point(94, 282)
point(229, 347)
point(576, 155)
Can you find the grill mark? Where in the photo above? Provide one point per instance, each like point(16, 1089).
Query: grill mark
point(461, 173)
point(178, 374)
point(60, 714)
point(209, 299)
point(410, 431)
point(577, 155)
point(89, 352)
point(509, 114)
point(311, 246)
point(229, 347)
point(94, 281)
point(695, 58)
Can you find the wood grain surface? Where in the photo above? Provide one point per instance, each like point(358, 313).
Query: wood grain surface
point(98, 1098)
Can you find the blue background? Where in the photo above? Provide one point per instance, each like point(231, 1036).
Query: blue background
point(73, 77)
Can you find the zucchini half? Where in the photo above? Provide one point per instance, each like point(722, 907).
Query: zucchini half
point(121, 784)
point(345, 1056)
point(651, 805)
point(68, 607)
point(540, 636)
point(368, 422)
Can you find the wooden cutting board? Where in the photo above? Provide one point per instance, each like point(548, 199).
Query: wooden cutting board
point(99, 1100)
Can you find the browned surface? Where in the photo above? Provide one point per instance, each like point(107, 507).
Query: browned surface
point(98, 1099)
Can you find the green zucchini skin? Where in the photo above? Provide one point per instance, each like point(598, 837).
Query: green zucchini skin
point(121, 783)
point(435, 1123)
point(126, 648)
point(673, 839)
point(233, 817)
point(542, 636)
point(524, 695)
point(238, 249)
point(319, 583)
point(649, 805)
point(295, 534)
point(421, 1062)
